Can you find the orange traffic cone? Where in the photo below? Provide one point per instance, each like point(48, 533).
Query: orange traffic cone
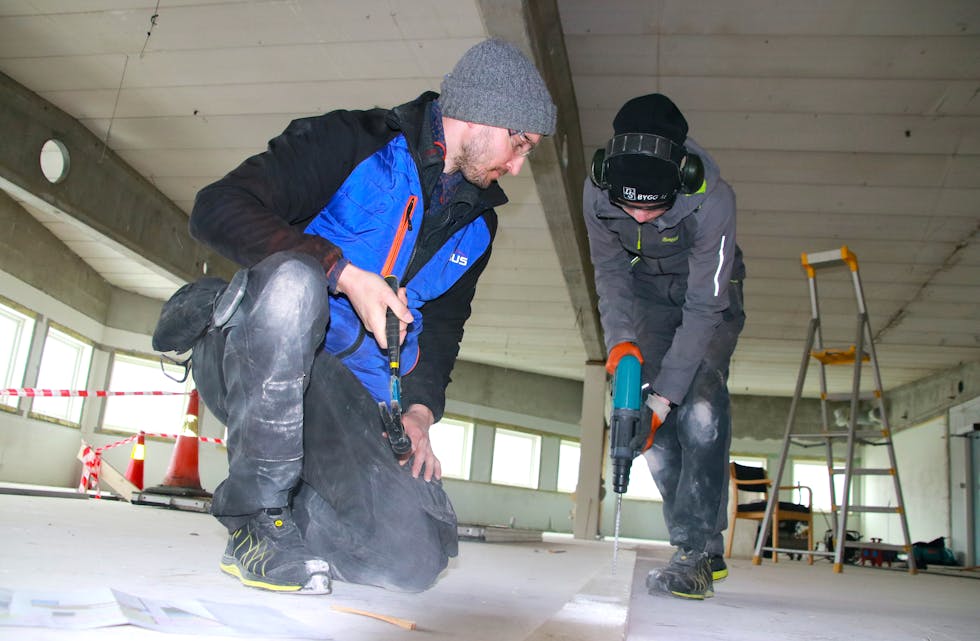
point(182, 477)
point(134, 472)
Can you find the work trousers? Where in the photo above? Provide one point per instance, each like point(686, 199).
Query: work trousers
point(304, 432)
point(689, 456)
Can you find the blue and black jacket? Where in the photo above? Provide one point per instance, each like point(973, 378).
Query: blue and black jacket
point(356, 186)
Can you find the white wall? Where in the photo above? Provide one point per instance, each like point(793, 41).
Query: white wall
point(923, 469)
point(39, 452)
point(961, 421)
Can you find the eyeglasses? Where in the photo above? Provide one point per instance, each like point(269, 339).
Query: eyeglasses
point(523, 146)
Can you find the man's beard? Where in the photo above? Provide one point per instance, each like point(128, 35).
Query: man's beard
point(471, 161)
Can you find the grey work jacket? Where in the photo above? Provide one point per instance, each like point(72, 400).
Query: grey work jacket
point(695, 240)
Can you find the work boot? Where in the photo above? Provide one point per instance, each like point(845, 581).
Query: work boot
point(268, 553)
point(719, 570)
point(688, 576)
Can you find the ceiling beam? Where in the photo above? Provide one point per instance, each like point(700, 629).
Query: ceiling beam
point(32, 254)
point(101, 194)
point(558, 164)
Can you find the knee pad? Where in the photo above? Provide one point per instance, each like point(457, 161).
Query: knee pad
point(292, 287)
point(229, 300)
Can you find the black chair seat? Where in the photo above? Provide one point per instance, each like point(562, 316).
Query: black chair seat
point(784, 506)
point(752, 480)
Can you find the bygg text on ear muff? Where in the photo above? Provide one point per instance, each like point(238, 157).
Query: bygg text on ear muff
point(690, 171)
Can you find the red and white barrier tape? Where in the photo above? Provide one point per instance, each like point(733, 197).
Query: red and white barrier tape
point(92, 457)
point(91, 466)
point(92, 463)
point(59, 393)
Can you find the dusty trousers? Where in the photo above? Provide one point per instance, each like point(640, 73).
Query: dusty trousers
point(689, 456)
point(303, 431)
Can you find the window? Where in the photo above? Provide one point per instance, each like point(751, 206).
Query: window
point(160, 414)
point(569, 454)
point(516, 458)
point(641, 484)
point(815, 476)
point(16, 330)
point(65, 363)
point(452, 441)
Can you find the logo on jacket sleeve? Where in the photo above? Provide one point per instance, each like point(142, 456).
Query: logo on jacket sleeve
point(459, 259)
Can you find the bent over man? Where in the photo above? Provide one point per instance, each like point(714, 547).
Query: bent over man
point(661, 226)
point(291, 355)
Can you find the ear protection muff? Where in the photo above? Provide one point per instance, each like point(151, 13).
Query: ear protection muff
point(690, 171)
point(597, 171)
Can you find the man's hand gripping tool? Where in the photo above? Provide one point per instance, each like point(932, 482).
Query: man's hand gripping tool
point(391, 415)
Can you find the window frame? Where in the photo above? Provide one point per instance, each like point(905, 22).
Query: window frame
point(75, 404)
point(20, 356)
point(151, 361)
point(466, 451)
point(535, 463)
point(824, 489)
point(562, 443)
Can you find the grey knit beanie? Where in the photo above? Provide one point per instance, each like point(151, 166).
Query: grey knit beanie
point(495, 84)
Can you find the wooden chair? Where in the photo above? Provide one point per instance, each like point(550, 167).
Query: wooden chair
point(746, 478)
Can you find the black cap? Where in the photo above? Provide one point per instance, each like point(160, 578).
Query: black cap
point(645, 181)
point(653, 113)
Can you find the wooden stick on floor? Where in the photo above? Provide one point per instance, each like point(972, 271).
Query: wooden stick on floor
point(401, 623)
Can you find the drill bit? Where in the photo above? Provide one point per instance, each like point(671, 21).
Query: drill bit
point(619, 510)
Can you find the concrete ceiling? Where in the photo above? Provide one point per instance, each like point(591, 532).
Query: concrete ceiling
point(837, 123)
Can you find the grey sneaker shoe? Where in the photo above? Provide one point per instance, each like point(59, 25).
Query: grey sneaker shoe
point(268, 553)
point(688, 576)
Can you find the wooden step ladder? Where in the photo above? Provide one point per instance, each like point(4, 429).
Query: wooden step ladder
point(857, 355)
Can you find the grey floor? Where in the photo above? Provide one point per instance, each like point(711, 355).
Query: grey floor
point(791, 600)
point(556, 589)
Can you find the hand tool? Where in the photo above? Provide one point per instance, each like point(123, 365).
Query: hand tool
point(624, 427)
point(391, 414)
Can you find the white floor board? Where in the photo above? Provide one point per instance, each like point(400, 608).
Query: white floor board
point(793, 601)
point(491, 592)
